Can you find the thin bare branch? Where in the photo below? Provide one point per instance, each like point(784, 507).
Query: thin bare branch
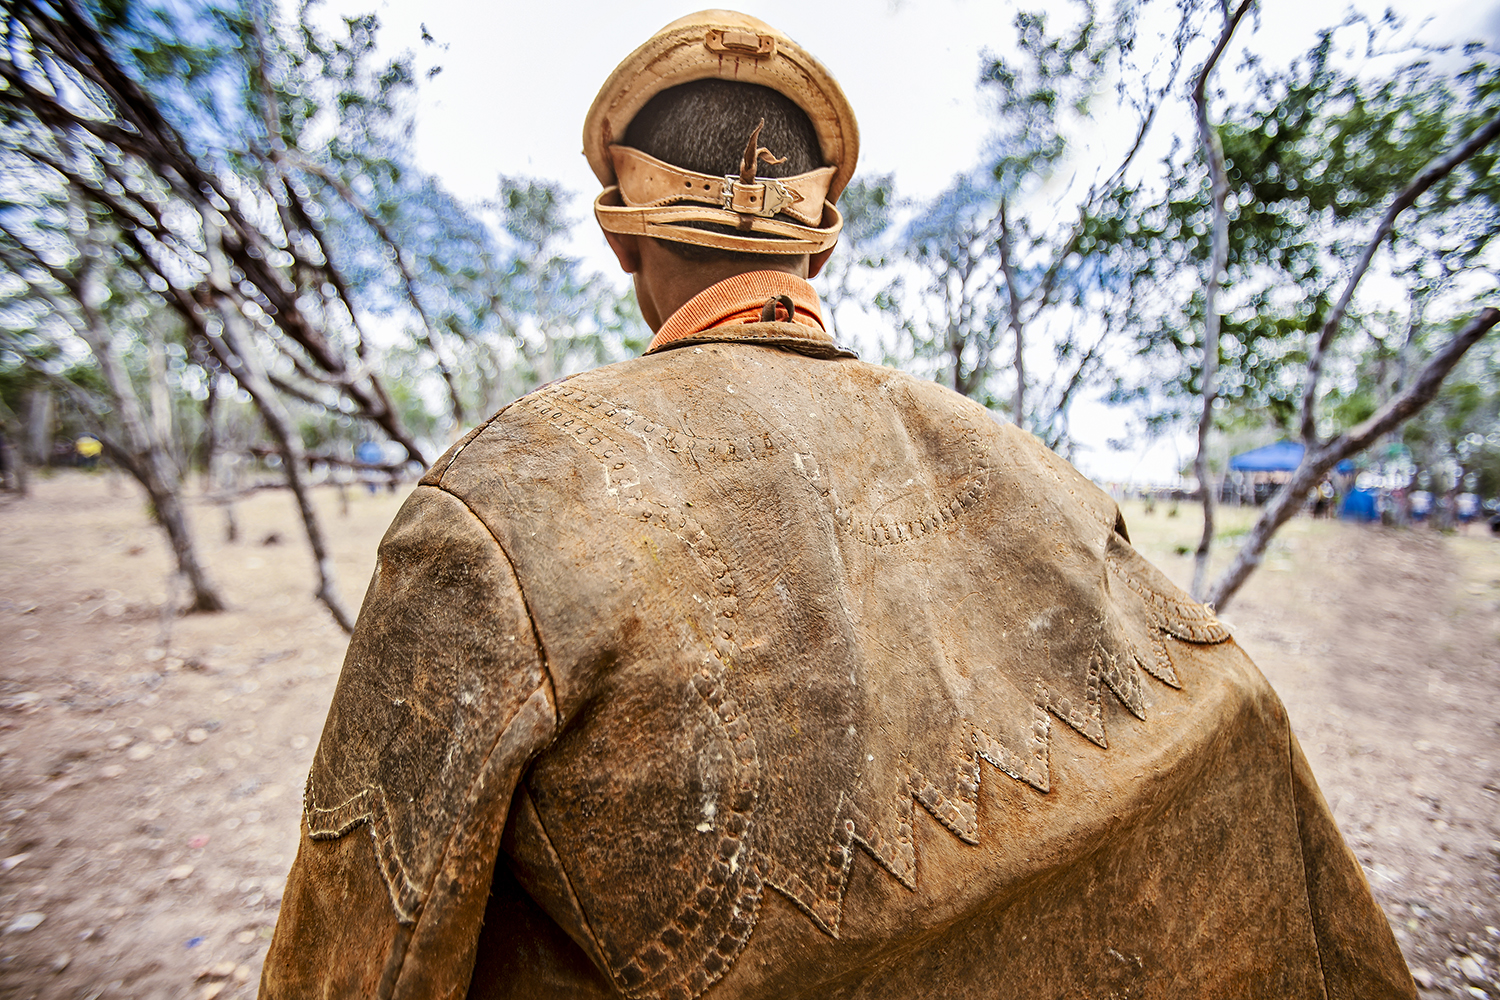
point(1316, 461)
point(428, 338)
point(1013, 312)
point(1430, 175)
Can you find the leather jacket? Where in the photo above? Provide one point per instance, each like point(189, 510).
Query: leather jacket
point(746, 669)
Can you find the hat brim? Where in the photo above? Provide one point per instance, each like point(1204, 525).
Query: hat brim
point(680, 53)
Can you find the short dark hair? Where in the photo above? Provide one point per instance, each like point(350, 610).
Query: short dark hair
point(703, 126)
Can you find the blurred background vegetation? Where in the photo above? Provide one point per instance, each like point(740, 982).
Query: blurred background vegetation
point(218, 259)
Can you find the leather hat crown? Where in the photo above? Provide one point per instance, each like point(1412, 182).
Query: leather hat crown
point(644, 196)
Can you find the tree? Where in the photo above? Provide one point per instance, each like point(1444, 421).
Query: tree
point(869, 206)
point(80, 292)
point(1328, 173)
point(254, 181)
point(556, 317)
point(218, 230)
point(951, 243)
point(1020, 252)
point(1213, 158)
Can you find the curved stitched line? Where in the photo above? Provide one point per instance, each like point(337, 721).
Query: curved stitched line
point(582, 414)
point(408, 896)
point(394, 973)
point(732, 887)
point(904, 531)
point(674, 971)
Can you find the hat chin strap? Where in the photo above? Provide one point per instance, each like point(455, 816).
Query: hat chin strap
point(653, 198)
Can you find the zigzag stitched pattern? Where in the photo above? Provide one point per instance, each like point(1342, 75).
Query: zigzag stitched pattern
point(573, 411)
point(680, 962)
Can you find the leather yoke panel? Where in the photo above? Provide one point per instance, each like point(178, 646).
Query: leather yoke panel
point(774, 637)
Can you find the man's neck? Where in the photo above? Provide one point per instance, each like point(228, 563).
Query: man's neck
point(664, 281)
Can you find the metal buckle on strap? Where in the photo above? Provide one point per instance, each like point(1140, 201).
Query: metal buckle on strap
point(764, 198)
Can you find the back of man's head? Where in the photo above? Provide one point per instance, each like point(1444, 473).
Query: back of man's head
point(704, 125)
point(672, 136)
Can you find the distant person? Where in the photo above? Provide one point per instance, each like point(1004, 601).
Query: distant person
point(745, 669)
point(1465, 509)
point(1361, 505)
point(88, 448)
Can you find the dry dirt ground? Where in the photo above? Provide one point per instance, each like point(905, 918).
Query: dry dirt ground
point(151, 767)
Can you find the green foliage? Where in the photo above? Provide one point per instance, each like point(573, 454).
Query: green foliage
point(236, 165)
point(951, 243)
point(996, 270)
point(1052, 79)
point(1456, 439)
point(869, 206)
point(1314, 158)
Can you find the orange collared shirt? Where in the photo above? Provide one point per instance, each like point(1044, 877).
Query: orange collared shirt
point(740, 299)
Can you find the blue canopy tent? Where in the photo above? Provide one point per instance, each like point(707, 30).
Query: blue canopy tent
point(1267, 467)
point(1283, 456)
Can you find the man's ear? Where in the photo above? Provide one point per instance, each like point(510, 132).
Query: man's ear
point(627, 250)
point(816, 261)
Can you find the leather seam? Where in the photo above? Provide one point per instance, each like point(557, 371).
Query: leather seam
point(536, 635)
point(434, 478)
point(557, 859)
point(393, 973)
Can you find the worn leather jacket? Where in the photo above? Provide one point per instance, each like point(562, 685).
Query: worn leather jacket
point(746, 669)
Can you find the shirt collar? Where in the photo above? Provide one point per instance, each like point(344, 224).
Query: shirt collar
point(738, 300)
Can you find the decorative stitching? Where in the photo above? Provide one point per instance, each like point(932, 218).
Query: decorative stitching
point(894, 849)
point(658, 967)
point(1186, 620)
point(1159, 664)
point(942, 512)
point(1033, 767)
point(571, 410)
point(368, 806)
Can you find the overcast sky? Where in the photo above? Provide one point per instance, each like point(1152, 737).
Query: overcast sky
point(518, 77)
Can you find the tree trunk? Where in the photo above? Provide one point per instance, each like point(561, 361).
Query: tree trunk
point(1213, 153)
point(1017, 331)
point(13, 463)
point(163, 428)
point(151, 466)
point(209, 445)
point(12, 457)
point(36, 446)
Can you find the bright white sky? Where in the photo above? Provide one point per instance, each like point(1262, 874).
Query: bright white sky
point(518, 76)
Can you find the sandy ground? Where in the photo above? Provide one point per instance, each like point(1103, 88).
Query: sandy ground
point(151, 767)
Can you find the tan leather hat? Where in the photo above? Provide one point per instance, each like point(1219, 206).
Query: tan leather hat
point(647, 197)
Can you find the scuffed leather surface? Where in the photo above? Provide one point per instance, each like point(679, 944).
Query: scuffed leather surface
point(441, 704)
point(858, 693)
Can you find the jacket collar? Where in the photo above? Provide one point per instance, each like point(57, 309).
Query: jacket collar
point(735, 310)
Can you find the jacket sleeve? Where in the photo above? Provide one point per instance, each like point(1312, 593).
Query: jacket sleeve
point(443, 702)
point(1358, 953)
